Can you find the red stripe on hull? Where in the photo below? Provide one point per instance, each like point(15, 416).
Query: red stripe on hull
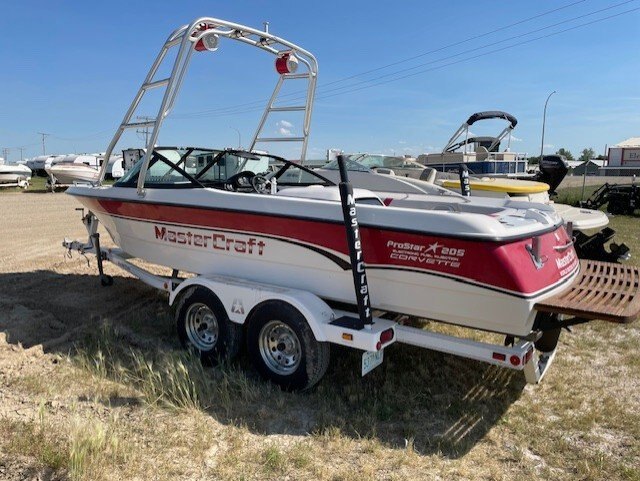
point(505, 265)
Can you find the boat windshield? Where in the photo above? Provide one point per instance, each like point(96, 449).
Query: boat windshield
point(351, 164)
point(373, 161)
point(366, 162)
point(190, 167)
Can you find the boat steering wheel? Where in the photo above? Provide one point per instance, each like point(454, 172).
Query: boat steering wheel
point(261, 184)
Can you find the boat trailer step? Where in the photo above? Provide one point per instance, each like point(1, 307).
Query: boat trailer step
point(603, 290)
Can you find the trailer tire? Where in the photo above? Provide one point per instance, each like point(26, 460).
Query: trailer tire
point(203, 325)
point(283, 348)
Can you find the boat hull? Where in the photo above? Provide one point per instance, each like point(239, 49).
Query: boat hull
point(10, 178)
point(11, 174)
point(482, 284)
point(67, 175)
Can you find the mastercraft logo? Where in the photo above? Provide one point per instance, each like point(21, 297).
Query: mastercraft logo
point(567, 263)
point(218, 241)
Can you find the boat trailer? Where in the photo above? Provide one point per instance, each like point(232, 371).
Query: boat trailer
point(602, 290)
point(52, 184)
point(22, 182)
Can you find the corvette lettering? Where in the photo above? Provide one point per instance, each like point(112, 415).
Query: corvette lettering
point(217, 241)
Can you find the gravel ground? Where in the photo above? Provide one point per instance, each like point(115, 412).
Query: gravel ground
point(33, 227)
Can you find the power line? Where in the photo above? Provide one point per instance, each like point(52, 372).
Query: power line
point(489, 45)
point(461, 42)
point(88, 136)
point(355, 87)
point(487, 53)
point(145, 131)
point(439, 49)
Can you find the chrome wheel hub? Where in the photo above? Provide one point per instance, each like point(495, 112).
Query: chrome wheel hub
point(202, 327)
point(280, 347)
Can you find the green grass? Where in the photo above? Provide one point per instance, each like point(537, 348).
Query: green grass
point(37, 441)
point(36, 185)
point(573, 195)
point(627, 227)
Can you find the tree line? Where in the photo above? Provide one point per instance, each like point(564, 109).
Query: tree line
point(586, 154)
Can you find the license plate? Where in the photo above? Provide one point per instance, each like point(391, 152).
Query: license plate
point(371, 360)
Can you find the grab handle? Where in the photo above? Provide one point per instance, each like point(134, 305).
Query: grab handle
point(564, 247)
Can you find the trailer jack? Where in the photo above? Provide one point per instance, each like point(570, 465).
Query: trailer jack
point(105, 279)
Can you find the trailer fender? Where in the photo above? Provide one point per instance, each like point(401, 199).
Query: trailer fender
point(240, 298)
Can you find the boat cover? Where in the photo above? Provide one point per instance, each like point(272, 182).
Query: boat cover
point(492, 114)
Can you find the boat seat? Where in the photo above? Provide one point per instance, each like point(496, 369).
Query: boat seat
point(481, 153)
point(428, 175)
point(332, 193)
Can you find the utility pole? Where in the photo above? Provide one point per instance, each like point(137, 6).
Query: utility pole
point(544, 120)
point(21, 149)
point(44, 151)
point(5, 154)
point(145, 131)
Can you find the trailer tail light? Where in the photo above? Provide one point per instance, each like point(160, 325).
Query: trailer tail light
point(498, 356)
point(515, 360)
point(347, 337)
point(527, 356)
point(386, 336)
point(286, 63)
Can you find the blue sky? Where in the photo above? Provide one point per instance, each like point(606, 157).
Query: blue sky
point(72, 68)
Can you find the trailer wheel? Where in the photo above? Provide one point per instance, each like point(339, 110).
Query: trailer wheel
point(203, 325)
point(283, 348)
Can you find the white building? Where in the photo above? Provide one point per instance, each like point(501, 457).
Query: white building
point(624, 158)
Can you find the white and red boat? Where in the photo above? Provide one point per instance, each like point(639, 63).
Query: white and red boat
point(482, 264)
point(261, 232)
